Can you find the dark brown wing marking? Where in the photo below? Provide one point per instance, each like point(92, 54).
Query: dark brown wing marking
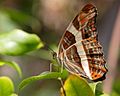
point(73, 56)
point(68, 40)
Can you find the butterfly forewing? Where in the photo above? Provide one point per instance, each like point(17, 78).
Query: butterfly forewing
point(79, 49)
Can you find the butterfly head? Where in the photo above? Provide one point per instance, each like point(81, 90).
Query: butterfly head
point(54, 54)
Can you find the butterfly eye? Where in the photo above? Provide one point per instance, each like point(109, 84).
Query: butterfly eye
point(54, 55)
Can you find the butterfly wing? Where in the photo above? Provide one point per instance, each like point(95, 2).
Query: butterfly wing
point(79, 49)
point(82, 27)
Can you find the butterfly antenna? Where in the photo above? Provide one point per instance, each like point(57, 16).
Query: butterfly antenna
point(51, 50)
point(48, 47)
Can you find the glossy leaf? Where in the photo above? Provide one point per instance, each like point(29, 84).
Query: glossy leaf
point(45, 75)
point(77, 86)
point(6, 24)
point(18, 42)
point(97, 89)
point(104, 94)
point(6, 86)
point(13, 65)
point(13, 94)
point(94, 86)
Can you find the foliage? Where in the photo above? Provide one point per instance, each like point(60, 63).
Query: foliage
point(6, 87)
point(76, 86)
point(16, 42)
point(73, 86)
point(44, 75)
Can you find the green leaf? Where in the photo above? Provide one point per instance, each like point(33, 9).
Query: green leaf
point(13, 94)
point(97, 89)
point(104, 94)
point(18, 42)
point(6, 24)
point(44, 75)
point(114, 93)
point(77, 86)
point(13, 65)
point(94, 85)
point(6, 86)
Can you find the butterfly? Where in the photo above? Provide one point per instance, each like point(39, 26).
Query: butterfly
point(79, 49)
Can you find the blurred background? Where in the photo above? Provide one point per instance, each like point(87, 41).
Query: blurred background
point(49, 19)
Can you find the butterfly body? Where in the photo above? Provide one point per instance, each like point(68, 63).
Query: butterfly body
point(79, 49)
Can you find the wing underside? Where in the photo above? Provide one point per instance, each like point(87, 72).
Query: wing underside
point(79, 47)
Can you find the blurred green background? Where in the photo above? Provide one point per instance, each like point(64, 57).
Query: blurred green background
point(49, 19)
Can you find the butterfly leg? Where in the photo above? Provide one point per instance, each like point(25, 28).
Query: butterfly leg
point(62, 66)
point(51, 64)
point(55, 67)
point(52, 67)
